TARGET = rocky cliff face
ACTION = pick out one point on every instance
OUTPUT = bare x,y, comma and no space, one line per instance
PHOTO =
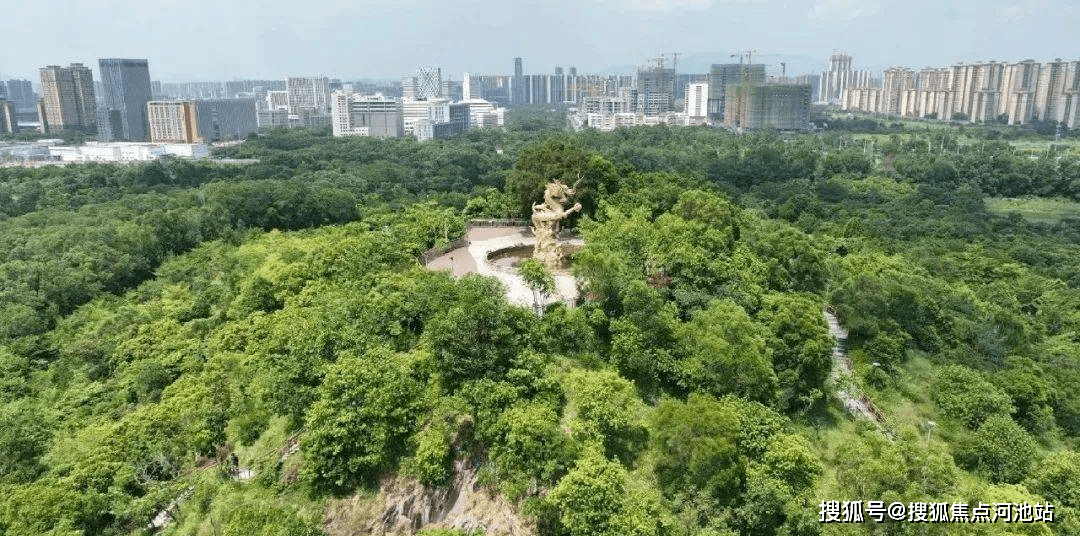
403,507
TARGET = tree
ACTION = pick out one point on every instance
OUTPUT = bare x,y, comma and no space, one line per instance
722,351
530,449
554,159
778,488
590,496
1057,477
697,449
479,334
258,518
1000,450
607,411
1030,394
24,437
963,394
367,407
801,347
538,278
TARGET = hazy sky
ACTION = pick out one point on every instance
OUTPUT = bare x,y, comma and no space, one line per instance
230,39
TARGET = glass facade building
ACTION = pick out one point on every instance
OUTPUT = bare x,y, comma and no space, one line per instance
126,85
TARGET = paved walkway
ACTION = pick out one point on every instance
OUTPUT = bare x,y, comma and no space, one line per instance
855,402
474,260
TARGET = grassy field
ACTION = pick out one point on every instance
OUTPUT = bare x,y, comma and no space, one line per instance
1034,210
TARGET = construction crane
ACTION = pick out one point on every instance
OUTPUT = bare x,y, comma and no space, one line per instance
674,59
749,55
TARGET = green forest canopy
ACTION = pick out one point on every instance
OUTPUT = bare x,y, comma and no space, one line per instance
153,317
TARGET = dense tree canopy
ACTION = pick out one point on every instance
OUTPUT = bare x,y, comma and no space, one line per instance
242,344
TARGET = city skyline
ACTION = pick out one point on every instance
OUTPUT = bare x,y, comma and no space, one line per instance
386,41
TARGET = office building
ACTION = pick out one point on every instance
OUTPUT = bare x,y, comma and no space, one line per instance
415,113
408,87
126,86
68,97
452,90
355,114
308,101
226,119
126,152
267,119
469,87
492,88
519,94
483,114
308,94
21,94
428,83
172,122
457,123
277,100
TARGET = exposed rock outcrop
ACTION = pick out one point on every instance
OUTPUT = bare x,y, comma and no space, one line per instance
403,507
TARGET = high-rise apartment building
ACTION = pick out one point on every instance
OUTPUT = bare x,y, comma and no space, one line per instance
126,84
172,122
1056,96
840,77
1018,86
9,124
837,78
1015,93
68,97
697,100
862,99
896,81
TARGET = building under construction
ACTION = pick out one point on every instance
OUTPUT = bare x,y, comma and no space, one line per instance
767,106
723,75
655,89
